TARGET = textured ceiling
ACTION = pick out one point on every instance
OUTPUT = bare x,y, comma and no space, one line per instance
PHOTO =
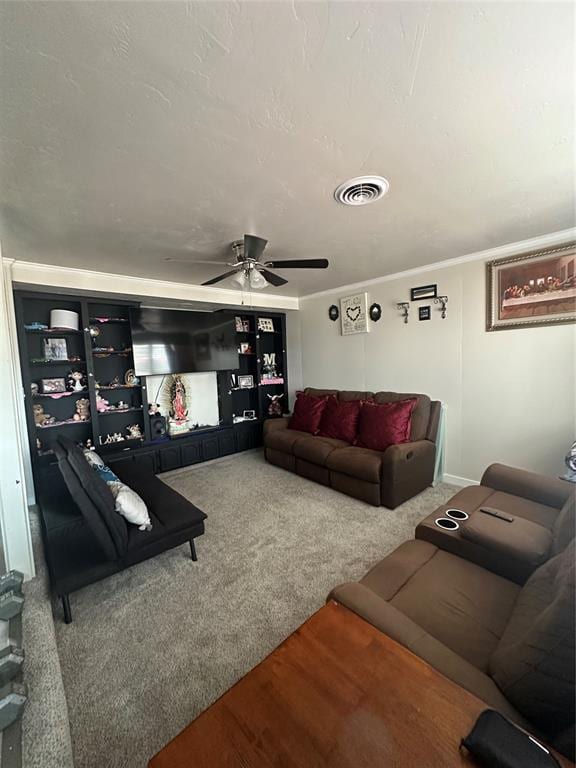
136,132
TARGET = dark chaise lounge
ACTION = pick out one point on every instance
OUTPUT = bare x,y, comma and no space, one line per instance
103,542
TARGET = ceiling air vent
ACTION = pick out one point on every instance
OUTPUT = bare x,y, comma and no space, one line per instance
362,190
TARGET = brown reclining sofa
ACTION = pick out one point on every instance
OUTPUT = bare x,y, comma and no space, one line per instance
509,642
380,478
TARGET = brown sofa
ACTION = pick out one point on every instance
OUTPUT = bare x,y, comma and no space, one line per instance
538,523
512,646
380,478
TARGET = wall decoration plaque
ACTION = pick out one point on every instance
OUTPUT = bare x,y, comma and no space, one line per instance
354,314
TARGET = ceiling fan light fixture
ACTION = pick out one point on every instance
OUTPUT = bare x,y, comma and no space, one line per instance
240,279
257,280
361,190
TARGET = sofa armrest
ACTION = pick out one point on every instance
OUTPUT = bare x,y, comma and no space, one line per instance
388,619
271,425
550,491
521,540
405,453
407,469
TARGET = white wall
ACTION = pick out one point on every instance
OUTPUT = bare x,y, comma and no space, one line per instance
14,523
509,394
294,352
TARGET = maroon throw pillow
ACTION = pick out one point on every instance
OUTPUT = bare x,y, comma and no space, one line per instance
386,424
307,413
340,419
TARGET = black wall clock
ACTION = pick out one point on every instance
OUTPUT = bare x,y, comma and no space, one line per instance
375,312
333,312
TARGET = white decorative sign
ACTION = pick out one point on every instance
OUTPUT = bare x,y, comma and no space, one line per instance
354,314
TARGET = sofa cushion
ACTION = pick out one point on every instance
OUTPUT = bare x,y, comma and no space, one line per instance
320,392
284,439
389,575
172,510
381,426
459,603
347,396
361,463
344,395
420,415
520,539
534,664
563,531
381,614
340,419
307,413
317,449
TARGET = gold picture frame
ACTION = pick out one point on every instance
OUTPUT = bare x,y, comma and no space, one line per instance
532,289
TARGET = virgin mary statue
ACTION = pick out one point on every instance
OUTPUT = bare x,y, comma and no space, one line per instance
179,411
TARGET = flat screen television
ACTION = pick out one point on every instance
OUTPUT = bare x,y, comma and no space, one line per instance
176,341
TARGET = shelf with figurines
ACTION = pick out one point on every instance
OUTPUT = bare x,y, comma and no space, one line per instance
111,411
115,387
44,420
56,387
130,381
107,351
108,320
133,434
43,330
48,361
105,408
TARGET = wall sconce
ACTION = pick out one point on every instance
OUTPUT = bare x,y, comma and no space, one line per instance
443,300
404,305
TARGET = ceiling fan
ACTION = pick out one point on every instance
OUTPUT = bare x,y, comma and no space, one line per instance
250,272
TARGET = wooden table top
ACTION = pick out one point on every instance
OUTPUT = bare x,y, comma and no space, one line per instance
336,693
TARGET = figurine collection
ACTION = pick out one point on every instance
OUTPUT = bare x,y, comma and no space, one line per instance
134,432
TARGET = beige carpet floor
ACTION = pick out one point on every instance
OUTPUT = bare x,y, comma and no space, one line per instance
152,647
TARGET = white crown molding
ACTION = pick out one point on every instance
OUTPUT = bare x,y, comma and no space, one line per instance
27,273
501,251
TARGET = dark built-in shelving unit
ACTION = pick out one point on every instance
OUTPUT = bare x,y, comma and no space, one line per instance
102,366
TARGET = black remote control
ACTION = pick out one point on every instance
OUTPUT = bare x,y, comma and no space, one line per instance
498,514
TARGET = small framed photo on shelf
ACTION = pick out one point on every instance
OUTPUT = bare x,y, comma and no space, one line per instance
248,415
55,349
53,386
242,326
246,382
266,324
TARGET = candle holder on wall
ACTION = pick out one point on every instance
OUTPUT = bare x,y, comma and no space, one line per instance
442,300
404,306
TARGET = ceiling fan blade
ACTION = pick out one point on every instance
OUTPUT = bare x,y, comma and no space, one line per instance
220,277
298,264
254,247
272,278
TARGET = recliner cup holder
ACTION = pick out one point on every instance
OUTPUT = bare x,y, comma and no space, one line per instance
456,514
447,524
